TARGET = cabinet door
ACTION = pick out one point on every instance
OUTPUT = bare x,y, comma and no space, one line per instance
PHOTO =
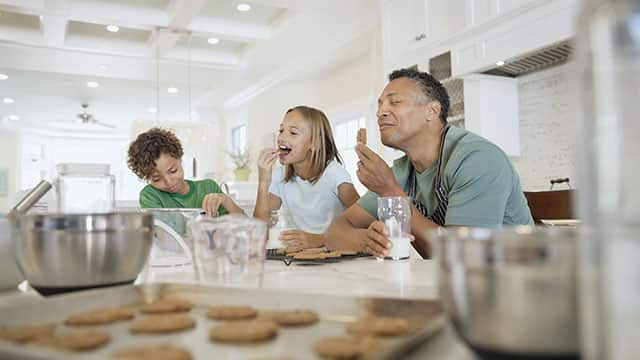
405,24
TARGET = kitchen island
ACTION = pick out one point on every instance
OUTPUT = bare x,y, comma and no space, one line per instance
409,279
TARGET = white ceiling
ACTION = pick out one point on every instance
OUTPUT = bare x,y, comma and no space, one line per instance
51,48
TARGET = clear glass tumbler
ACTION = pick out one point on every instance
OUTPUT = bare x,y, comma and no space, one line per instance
608,74
395,213
230,250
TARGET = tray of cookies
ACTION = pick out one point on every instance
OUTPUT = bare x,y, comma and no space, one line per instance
321,255
184,321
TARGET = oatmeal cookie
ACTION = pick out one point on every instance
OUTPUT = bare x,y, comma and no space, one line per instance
244,331
166,306
25,333
99,317
292,317
157,352
379,326
158,324
75,341
231,312
346,347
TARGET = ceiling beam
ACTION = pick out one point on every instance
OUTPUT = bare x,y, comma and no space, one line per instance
54,27
232,30
180,13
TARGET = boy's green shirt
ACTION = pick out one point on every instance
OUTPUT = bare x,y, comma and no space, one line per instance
151,197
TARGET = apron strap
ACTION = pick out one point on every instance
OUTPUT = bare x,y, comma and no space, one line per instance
440,213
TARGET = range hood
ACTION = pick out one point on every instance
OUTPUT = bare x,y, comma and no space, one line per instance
539,60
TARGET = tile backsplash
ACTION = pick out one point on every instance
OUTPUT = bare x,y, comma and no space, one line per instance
547,129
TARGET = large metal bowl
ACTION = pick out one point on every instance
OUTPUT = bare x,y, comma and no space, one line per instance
512,292
65,252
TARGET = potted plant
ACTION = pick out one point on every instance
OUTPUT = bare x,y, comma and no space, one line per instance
241,161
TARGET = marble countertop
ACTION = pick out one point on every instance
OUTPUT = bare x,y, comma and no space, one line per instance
408,279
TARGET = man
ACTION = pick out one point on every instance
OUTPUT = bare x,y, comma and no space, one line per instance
453,177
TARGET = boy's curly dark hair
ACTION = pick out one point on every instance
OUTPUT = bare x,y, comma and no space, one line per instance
147,148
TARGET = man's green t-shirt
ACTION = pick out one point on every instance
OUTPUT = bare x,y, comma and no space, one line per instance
151,197
481,183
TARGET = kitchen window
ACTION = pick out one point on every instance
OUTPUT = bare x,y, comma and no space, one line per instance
345,134
238,139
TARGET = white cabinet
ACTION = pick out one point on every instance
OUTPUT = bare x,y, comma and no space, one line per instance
411,24
477,32
405,25
539,25
480,11
491,110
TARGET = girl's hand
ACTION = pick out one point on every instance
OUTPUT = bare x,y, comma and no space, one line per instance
266,159
211,203
299,238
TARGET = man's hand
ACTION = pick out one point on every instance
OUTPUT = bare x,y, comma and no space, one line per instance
299,238
375,174
212,202
266,159
376,242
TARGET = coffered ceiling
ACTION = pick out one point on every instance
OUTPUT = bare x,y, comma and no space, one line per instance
141,48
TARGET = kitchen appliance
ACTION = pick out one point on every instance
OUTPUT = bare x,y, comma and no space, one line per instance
85,188
10,275
511,293
66,252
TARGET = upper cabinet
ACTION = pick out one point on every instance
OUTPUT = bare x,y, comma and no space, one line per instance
411,24
408,25
477,32
481,11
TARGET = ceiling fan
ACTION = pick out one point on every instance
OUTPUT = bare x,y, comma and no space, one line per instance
87,118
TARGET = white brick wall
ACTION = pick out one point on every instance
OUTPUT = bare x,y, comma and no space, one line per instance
547,129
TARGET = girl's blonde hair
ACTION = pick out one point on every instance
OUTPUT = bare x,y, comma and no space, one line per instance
323,147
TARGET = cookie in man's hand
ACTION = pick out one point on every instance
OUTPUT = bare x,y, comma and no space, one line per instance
362,136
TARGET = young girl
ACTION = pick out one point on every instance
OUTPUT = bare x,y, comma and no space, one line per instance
312,185
155,156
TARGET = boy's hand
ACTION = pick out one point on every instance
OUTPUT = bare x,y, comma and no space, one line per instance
212,202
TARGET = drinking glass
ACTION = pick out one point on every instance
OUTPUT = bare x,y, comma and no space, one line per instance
395,213
230,250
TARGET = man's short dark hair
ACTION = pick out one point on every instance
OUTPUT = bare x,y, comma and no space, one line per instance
431,88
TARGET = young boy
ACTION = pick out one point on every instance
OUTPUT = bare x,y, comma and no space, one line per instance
155,157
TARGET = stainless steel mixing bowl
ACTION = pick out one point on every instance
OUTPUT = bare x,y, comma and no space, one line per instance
511,292
64,252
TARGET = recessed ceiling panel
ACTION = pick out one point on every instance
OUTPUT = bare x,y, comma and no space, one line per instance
201,43
226,9
141,4
82,29
21,21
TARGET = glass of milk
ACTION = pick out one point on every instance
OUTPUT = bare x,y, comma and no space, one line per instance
395,213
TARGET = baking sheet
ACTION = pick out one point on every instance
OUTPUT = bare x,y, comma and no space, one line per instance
288,259
425,317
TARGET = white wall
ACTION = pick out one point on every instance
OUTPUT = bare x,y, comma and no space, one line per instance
344,91
8,161
200,140
547,129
